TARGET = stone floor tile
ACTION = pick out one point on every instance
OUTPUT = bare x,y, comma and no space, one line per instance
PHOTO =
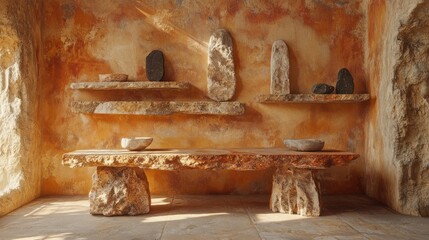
307,228
222,225
198,204
394,237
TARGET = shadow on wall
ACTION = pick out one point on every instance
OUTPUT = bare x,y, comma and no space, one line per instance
161,23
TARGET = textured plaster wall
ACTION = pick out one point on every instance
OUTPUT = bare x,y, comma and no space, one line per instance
397,167
19,51
84,38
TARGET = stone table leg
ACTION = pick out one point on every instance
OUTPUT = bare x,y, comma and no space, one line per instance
119,191
295,191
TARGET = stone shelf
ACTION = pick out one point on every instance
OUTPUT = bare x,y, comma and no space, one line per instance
129,85
313,98
158,107
240,159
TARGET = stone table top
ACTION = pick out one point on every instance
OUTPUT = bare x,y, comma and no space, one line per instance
240,159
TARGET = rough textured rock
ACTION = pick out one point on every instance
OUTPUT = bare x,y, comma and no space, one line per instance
129,85
159,108
279,68
345,83
119,191
213,159
398,167
295,191
155,66
221,73
314,98
322,88
20,173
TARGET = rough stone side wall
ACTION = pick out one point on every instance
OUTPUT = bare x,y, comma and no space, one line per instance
411,113
397,131
19,47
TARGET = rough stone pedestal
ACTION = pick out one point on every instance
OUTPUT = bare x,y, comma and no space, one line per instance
295,191
119,191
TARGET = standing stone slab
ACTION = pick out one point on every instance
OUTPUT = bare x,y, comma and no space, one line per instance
345,83
295,191
221,74
155,66
119,191
279,68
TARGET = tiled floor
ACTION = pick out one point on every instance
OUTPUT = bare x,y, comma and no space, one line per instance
211,217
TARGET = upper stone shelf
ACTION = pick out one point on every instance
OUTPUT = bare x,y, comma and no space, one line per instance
313,98
129,85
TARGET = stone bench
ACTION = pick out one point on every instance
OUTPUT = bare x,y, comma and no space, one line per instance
120,186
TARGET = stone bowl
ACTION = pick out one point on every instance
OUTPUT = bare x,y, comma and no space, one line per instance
304,145
136,143
113,77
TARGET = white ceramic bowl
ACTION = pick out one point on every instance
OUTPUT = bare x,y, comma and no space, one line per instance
113,77
304,145
136,143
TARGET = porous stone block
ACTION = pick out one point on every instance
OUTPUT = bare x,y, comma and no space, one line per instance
119,191
221,79
295,191
279,68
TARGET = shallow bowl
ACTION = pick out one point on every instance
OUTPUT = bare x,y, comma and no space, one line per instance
113,77
304,145
136,143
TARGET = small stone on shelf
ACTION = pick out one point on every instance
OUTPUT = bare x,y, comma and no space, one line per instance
322,88
345,83
155,66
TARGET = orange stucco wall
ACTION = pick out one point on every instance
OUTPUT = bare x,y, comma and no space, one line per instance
378,184
84,38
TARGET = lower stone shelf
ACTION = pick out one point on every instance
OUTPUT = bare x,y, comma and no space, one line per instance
313,98
158,107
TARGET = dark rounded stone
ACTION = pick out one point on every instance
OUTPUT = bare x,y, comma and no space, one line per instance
322,88
155,66
345,83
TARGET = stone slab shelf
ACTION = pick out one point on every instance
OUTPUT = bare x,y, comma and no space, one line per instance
313,98
239,159
129,85
158,107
